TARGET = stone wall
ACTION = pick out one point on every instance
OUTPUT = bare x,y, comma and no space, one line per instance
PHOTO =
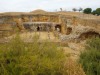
6,30
89,22
66,22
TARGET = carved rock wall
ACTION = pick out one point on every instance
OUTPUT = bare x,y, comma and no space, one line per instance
13,22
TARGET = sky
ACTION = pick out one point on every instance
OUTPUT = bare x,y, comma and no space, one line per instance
48,5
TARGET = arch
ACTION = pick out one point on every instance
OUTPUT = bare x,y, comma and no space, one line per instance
27,26
58,28
89,34
38,28
69,30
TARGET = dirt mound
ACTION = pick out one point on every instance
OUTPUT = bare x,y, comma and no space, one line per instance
38,11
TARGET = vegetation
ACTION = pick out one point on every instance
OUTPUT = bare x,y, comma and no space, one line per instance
19,58
73,68
87,11
61,9
80,9
90,58
74,9
96,12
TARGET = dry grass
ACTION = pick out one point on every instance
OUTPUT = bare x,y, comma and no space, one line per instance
73,68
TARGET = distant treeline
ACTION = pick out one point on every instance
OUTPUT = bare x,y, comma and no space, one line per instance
90,11
86,10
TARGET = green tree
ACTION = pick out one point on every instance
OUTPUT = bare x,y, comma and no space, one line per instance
87,11
94,12
80,9
98,11
74,9
61,9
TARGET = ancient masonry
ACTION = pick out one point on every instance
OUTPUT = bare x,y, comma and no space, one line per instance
70,27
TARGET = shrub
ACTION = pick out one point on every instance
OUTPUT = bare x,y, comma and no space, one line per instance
20,58
36,58
90,58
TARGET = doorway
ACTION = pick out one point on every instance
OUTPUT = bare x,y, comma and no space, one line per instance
38,28
58,28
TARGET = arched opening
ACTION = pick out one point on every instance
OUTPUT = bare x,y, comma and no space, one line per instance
58,28
89,35
38,28
69,30
27,26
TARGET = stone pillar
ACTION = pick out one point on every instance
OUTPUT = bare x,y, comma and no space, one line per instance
20,24
53,27
62,21
48,29
30,19
63,26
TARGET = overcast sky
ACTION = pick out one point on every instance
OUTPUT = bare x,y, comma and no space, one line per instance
49,5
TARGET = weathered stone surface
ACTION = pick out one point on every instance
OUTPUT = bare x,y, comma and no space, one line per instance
77,31
14,21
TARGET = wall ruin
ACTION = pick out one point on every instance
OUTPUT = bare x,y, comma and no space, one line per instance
65,23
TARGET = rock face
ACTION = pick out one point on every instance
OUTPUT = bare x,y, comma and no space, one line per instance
80,32
70,27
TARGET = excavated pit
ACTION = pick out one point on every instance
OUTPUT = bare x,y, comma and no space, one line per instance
88,35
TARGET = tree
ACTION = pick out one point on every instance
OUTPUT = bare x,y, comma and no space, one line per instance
80,9
61,9
94,12
98,11
87,11
74,9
